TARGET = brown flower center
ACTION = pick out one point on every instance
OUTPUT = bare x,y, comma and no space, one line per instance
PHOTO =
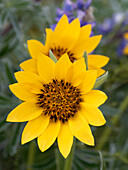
59,100
59,51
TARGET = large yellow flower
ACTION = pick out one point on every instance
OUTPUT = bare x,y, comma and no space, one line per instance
67,38
58,103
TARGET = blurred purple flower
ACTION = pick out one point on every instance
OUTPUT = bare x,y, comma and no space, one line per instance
106,26
110,23
79,9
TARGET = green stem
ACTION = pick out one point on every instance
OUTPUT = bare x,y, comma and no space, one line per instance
107,131
31,155
58,159
68,161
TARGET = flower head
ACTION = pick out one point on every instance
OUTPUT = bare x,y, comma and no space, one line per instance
67,38
58,103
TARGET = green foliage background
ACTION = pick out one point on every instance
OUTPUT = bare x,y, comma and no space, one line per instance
27,19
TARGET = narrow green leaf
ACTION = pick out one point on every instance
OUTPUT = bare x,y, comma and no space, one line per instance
102,165
9,74
16,25
100,80
86,59
14,142
52,56
3,125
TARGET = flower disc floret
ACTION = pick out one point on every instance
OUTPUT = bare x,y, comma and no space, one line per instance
60,100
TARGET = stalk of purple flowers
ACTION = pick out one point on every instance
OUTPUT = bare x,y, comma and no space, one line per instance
79,9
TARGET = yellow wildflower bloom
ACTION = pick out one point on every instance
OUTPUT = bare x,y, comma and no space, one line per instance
58,103
67,38
125,50
125,35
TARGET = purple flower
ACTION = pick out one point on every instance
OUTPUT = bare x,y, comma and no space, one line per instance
69,6
87,4
80,9
80,4
110,23
106,27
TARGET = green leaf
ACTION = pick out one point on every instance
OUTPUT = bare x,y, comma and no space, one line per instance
102,165
52,56
3,125
9,74
16,25
100,80
14,142
86,59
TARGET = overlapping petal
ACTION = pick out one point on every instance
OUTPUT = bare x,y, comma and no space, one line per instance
95,97
97,60
34,128
62,67
48,137
35,48
29,65
88,81
46,68
65,139
24,112
92,114
75,70
70,36
21,93
81,130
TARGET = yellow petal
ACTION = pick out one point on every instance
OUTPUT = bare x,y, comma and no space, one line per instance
24,112
32,87
88,81
85,32
100,71
92,114
49,37
29,65
70,35
81,130
75,70
34,128
60,27
27,76
48,137
97,60
21,93
65,140
46,68
62,66
95,97
35,48
88,45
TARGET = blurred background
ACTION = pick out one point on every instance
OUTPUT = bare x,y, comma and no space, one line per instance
27,19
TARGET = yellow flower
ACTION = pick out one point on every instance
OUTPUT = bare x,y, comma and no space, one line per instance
58,103
125,50
67,38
